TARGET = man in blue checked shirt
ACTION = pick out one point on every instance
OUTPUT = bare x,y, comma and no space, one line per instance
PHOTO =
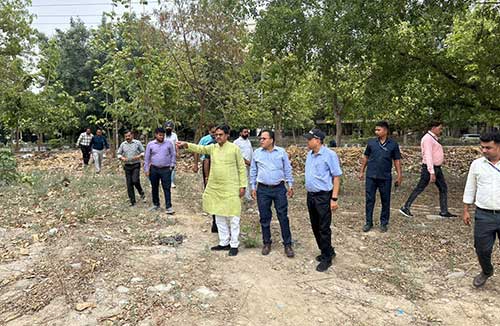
269,170
322,174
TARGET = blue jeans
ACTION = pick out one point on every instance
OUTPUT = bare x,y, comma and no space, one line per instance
265,197
384,187
156,175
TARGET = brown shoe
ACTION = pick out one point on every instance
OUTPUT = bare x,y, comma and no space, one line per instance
480,279
289,251
266,249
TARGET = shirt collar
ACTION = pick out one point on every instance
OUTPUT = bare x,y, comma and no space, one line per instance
322,149
433,134
485,160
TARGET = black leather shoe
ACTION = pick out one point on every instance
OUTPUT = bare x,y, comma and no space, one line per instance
384,228
480,279
219,248
324,265
447,215
233,251
367,227
266,249
321,257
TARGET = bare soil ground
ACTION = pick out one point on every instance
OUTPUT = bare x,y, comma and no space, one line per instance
73,253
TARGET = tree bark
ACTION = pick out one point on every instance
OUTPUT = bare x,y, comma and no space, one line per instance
116,139
337,112
17,139
201,125
39,141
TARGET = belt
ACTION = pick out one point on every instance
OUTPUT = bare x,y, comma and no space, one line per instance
491,211
318,193
436,166
161,167
271,186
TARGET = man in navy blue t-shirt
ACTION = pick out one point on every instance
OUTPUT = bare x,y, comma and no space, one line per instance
380,153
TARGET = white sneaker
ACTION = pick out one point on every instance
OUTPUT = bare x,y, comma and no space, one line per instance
173,185
170,211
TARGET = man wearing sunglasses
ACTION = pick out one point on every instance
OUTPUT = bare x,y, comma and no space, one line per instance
380,153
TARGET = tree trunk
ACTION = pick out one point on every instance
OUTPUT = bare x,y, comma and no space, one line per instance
116,139
201,125
337,111
17,139
278,132
39,141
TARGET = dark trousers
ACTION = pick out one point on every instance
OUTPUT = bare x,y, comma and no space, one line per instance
265,197
132,173
86,150
164,175
425,177
320,214
384,188
205,170
486,229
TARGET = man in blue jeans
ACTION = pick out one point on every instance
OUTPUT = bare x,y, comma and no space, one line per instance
159,161
269,170
380,153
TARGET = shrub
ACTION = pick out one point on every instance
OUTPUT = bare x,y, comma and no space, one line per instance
8,164
55,143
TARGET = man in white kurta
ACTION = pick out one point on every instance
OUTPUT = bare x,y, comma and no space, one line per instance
226,185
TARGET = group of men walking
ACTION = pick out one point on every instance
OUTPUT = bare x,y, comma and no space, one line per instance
93,144
232,171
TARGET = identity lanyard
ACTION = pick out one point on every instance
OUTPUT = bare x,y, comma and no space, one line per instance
433,136
491,164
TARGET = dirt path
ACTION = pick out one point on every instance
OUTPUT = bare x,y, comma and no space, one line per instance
78,255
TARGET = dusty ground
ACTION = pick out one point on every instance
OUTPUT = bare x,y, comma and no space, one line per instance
73,253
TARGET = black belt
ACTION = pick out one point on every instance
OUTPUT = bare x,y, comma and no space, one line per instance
318,193
271,186
161,167
491,211
436,166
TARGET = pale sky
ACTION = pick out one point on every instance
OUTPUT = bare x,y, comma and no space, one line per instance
55,14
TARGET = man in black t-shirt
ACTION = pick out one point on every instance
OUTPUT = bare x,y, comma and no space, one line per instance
380,153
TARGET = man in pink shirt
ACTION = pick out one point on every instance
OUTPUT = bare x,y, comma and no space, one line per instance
432,159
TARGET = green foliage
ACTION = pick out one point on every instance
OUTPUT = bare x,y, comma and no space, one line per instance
8,172
55,143
197,62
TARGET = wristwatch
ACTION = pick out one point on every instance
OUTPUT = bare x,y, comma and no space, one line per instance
334,198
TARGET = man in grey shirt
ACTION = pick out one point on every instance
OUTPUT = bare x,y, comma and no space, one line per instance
130,153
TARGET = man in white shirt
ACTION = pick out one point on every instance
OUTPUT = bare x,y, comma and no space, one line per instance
246,151
483,190
172,137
